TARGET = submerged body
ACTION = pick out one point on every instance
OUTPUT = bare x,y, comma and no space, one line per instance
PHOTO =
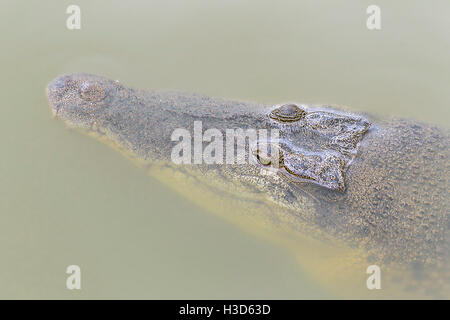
378,186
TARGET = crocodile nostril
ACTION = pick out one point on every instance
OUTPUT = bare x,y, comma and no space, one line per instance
288,113
92,92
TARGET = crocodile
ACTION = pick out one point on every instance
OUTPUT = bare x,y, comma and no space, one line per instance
345,190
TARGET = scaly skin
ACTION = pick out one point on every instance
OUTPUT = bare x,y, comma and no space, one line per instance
387,198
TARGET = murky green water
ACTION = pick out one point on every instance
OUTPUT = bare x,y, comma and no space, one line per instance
67,199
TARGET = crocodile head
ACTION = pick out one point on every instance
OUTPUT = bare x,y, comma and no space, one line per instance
312,145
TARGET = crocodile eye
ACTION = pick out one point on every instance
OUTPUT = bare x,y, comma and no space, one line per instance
268,155
288,113
265,161
92,91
